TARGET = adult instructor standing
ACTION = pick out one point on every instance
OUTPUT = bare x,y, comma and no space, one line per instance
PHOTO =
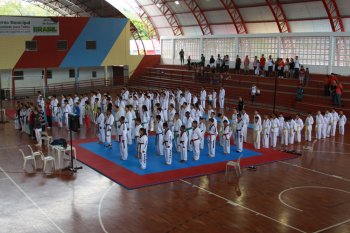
182,56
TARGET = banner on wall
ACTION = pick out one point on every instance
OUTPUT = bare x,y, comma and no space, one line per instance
35,26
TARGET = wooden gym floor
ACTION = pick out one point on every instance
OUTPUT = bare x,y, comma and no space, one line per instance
307,194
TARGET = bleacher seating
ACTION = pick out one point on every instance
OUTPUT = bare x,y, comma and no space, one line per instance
173,76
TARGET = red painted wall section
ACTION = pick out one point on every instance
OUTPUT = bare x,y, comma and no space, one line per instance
147,61
70,29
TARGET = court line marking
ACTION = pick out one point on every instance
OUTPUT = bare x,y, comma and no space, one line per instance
302,187
331,152
243,207
333,226
4,179
100,206
312,170
32,201
327,140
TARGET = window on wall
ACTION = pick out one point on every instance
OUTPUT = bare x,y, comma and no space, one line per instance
94,74
62,45
18,75
72,73
311,50
191,47
31,45
342,51
91,45
167,49
258,46
222,46
49,74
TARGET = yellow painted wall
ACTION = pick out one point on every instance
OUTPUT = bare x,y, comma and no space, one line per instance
11,49
120,52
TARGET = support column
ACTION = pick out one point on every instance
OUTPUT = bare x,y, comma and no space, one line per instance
279,46
106,75
173,51
13,83
331,55
45,81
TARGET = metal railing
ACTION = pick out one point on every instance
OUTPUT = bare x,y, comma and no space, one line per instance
59,88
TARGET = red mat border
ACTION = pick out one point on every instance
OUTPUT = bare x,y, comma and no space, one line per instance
130,180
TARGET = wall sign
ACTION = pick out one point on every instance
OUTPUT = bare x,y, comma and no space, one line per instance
36,26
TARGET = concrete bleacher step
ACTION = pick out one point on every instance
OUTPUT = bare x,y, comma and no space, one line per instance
239,85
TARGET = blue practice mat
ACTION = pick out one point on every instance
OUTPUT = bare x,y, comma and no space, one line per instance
156,163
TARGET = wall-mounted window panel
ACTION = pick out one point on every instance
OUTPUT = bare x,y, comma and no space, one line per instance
311,50
191,48
258,46
62,45
91,45
222,46
166,49
72,73
31,45
18,75
342,51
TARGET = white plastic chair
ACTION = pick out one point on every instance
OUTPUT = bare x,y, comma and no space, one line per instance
36,153
67,152
46,159
47,139
26,158
235,164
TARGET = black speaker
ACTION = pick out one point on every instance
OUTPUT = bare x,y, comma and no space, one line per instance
2,94
73,122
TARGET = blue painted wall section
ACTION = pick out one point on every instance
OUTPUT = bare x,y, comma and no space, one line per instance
105,31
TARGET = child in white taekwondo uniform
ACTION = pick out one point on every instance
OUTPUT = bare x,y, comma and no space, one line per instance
109,126
275,127
195,140
214,98
299,125
188,124
137,129
128,122
183,141
292,130
334,122
159,135
319,125
245,118
266,129
226,137
142,144
145,118
309,121
203,97
203,129
59,115
100,122
123,146
281,121
234,125
239,133
177,125
212,133
168,143
66,110
222,119
328,119
342,122
257,130
285,132
222,98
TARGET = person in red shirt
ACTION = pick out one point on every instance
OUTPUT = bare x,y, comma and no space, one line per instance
262,64
301,75
338,93
48,112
